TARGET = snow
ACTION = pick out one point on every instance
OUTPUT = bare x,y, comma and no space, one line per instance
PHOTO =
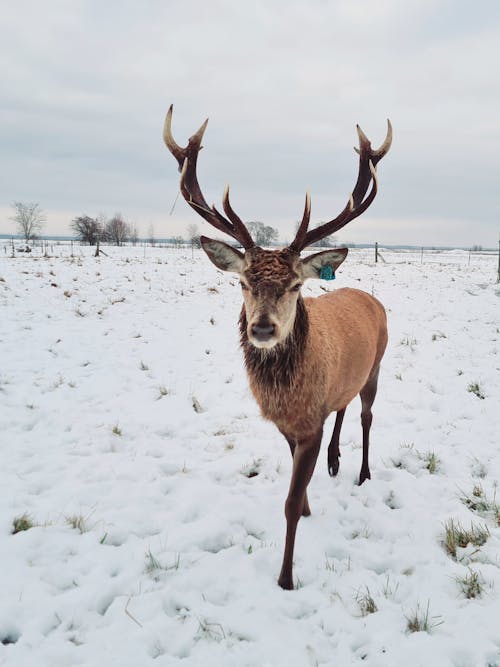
130,439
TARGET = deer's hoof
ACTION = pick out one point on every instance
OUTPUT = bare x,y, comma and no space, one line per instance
364,474
333,468
286,583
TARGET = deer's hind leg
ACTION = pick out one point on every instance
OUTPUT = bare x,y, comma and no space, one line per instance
367,395
334,446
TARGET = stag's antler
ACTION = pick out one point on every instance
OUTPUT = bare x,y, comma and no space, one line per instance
187,158
368,159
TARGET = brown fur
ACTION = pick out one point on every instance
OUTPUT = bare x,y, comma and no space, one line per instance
338,340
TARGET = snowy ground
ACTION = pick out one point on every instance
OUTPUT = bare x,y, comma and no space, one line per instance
130,440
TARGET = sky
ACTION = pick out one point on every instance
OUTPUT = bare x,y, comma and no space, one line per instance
86,85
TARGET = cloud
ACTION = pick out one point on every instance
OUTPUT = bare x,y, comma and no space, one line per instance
88,84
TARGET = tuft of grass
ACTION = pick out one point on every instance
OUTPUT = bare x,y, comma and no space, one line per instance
432,462
212,631
20,523
143,366
366,603
456,536
471,585
154,567
117,430
478,468
163,391
420,621
388,591
478,501
409,341
196,405
475,388
152,563
78,522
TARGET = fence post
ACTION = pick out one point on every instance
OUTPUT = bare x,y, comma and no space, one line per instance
376,252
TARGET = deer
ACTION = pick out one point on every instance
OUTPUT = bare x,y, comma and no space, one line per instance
305,357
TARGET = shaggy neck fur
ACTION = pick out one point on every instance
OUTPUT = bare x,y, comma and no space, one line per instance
278,367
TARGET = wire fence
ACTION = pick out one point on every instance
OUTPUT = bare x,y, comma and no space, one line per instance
377,253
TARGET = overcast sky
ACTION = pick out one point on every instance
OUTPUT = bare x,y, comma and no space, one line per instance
85,88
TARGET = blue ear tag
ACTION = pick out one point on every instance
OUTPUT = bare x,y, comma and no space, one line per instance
327,273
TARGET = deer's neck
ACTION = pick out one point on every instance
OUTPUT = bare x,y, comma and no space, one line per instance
276,369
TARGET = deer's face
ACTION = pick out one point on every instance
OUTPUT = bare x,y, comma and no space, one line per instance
270,281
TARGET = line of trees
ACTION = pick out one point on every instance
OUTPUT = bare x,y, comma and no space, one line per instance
115,230
29,219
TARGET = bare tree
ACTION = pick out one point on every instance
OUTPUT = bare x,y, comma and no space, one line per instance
262,234
151,234
29,219
117,230
193,235
134,234
87,229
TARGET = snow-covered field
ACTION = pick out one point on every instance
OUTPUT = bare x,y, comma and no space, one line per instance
130,443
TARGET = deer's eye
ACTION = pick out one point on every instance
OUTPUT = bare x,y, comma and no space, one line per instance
243,286
296,287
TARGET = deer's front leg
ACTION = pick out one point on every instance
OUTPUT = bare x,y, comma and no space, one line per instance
304,460
306,510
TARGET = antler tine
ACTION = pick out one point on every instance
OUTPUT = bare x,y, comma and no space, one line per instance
384,148
302,230
246,239
187,160
378,154
357,203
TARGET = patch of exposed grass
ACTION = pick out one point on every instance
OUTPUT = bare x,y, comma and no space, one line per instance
163,391
196,404
154,566
471,585
78,522
366,603
211,631
478,501
432,462
388,591
117,430
456,536
409,341
20,523
420,621
475,388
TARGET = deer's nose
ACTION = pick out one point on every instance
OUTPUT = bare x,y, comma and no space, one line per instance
263,330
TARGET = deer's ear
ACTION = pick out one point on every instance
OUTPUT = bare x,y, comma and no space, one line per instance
223,255
325,262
